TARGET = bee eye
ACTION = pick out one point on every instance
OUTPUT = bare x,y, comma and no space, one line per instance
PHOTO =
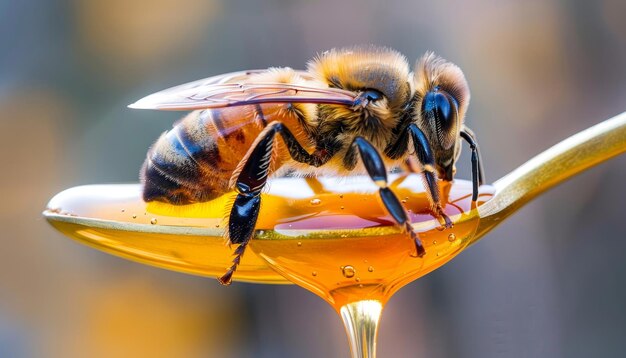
440,107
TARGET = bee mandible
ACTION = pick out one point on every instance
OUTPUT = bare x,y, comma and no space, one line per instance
355,110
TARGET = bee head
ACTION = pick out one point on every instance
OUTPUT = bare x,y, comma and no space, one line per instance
442,96
441,99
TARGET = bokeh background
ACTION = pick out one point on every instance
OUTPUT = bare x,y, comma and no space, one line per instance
550,282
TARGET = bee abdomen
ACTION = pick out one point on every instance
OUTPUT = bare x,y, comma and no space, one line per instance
183,167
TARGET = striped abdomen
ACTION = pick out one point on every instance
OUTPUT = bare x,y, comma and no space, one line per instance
194,161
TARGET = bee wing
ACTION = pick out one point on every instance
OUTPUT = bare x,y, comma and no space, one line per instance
232,89
237,76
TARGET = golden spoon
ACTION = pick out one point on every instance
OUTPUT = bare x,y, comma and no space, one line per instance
113,218
328,235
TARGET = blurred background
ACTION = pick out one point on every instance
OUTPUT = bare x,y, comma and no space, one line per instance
547,283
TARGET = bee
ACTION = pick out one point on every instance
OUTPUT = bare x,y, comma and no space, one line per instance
353,111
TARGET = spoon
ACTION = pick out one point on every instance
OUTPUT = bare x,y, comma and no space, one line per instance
114,218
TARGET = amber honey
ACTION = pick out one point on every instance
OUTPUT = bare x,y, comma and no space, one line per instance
331,236
359,255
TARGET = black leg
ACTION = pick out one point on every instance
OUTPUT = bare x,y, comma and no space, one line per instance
481,171
376,169
249,180
427,160
477,172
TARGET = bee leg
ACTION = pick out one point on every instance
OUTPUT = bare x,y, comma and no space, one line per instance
472,136
245,209
427,160
251,178
376,169
477,176
243,217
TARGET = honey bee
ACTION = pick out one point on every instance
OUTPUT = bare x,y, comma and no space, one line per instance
355,110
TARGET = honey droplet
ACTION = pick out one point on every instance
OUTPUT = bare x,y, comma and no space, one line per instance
343,236
315,201
451,237
314,273
348,271
153,221
299,243
370,269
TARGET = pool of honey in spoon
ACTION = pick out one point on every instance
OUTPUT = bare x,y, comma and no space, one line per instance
331,236
348,266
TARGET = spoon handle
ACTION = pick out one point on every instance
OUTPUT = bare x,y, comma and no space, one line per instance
555,165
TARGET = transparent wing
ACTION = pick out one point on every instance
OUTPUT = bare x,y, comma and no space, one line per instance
234,89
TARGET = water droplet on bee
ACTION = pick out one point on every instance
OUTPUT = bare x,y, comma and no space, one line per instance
299,243
123,210
343,236
315,201
314,273
357,279
451,237
217,225
153,221
342,207
134,216
434,242
360,285
403,201
370,269
438,253
340,196
348,271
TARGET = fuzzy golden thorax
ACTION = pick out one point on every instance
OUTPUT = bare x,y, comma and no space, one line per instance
359,69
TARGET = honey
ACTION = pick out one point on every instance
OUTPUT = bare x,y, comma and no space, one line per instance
330,236
360,257
302,230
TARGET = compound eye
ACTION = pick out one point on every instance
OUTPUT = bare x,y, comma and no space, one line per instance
440,108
